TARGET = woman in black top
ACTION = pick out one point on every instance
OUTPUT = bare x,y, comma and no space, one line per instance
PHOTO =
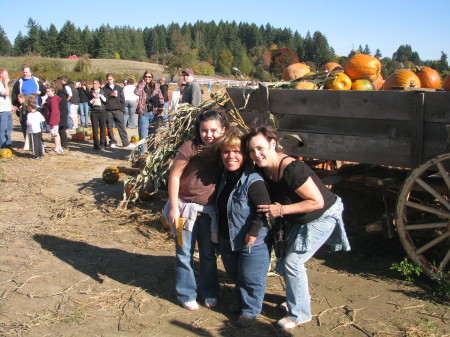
313,215
243,240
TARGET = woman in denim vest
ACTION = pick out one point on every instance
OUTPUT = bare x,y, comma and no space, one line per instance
313,216
243,240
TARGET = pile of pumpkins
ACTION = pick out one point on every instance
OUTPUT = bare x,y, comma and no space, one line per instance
363,72
81,133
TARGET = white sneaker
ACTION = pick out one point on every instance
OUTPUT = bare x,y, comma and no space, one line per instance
191,305
113,146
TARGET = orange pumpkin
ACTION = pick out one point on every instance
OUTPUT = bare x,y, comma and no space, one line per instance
340,82
378,83
362,66
429,78
164,222
402,78
362,85
446,84
78,136
330,66
294,71
305,85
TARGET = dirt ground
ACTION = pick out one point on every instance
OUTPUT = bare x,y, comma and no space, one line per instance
72,265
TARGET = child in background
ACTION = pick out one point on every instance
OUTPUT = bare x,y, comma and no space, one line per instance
34,120
52,117
22,114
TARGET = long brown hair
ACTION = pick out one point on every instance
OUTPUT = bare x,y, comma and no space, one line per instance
152,82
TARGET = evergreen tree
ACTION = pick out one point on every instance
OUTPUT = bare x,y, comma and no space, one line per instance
366,50
103,43
68,40
443,63
51,42
405,53
32,42
378,54
86,42
321,51
19,45
5,44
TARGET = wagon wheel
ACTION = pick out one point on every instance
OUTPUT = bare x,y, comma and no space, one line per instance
423,217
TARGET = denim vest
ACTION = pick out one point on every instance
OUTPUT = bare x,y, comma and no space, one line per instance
240,211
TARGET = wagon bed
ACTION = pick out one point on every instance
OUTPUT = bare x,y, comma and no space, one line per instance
406,129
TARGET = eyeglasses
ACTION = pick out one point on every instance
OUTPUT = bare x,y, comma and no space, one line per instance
148,76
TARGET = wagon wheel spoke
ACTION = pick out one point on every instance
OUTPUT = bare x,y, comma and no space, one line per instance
431,225
428,209
433,192
432,243
444,174
444,261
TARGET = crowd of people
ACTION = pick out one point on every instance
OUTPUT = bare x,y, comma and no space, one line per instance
66,105
229,191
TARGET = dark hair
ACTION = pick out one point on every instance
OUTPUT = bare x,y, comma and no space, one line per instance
208,115
98,80
130,81
57,84
267,132
109,75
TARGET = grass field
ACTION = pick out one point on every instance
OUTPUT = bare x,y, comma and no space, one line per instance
98,65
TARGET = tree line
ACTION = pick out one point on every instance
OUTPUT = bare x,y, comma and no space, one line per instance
260,52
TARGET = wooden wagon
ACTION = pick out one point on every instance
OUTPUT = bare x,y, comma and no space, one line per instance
394,129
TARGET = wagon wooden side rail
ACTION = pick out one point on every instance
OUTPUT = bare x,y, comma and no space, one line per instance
406,129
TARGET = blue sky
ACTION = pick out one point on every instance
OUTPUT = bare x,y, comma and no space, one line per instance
346,24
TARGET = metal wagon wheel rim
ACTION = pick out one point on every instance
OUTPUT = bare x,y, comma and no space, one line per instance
423,217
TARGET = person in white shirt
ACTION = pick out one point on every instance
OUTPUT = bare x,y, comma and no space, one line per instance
131,100
34,130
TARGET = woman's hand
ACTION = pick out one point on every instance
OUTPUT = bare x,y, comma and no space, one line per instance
174,214
249,240
272,211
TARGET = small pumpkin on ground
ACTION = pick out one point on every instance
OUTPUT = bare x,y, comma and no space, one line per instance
295,70
6,153
78,136
134,138
79,129
402,78
429,78
340,82
111,175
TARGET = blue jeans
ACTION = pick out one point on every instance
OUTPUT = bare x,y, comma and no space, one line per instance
129,114
297,293
146,125
69,125
247,268
84,113
185,284
6,128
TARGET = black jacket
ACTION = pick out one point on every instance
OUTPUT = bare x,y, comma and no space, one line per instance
113,102
17,89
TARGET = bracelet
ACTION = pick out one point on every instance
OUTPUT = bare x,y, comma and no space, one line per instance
281,211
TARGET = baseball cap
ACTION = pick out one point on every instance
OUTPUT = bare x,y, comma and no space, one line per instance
188,71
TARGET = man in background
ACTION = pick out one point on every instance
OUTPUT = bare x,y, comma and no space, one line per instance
28,84
192,93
